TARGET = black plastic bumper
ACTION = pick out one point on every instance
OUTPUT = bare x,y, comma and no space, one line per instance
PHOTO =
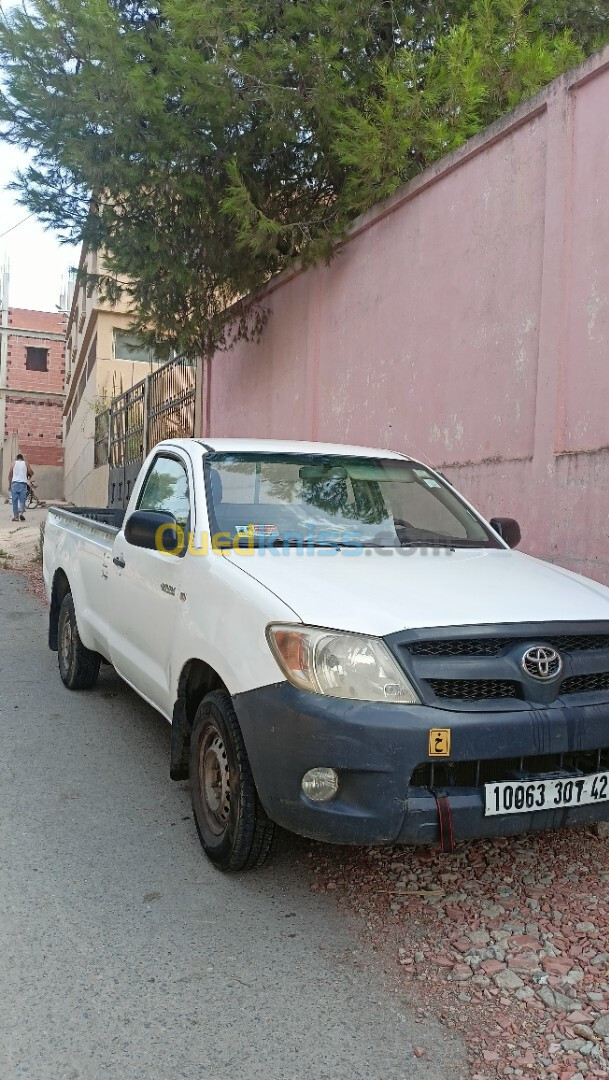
375,749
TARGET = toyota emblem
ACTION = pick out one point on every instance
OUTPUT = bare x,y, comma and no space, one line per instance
542,662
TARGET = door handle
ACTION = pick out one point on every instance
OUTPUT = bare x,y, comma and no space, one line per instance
119,561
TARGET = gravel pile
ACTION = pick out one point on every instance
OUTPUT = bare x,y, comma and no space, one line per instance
505,941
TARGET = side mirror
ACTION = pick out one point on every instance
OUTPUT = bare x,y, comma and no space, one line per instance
508,529
142,530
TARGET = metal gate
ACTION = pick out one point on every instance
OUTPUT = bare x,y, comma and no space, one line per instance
171,403
127,426
161,406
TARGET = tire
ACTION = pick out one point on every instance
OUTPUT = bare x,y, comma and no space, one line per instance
233,828
31,501
78,666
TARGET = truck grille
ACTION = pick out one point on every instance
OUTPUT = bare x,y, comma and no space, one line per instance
477,667
585,684
456,774
482,689
493,646
474,689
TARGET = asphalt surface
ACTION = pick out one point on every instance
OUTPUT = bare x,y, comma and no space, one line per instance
123,953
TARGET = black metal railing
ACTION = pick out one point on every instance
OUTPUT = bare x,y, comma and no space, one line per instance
161,406
127,426
171,403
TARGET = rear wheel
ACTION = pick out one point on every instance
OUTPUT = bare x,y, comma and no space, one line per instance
31,500
233,828
78,666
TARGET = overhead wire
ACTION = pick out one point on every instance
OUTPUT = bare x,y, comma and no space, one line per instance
16,226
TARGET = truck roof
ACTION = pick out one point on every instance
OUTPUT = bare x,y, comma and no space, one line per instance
286,446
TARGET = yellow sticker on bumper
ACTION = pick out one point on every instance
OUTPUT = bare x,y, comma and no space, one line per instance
439,742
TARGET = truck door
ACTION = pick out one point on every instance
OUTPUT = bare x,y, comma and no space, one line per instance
146,586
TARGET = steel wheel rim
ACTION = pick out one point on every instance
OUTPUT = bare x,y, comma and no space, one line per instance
214,781
66,641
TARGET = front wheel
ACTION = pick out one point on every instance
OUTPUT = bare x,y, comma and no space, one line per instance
31,500
78,666
233,828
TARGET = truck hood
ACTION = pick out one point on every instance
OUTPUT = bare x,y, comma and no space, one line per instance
382,591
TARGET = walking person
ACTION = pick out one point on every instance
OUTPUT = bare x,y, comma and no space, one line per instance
18,476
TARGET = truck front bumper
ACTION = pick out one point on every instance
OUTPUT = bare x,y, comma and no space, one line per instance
376,748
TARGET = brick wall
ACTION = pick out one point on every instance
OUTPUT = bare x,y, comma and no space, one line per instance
37,420
38,424
53,322
18,377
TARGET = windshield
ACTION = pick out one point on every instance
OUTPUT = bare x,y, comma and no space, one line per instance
274,499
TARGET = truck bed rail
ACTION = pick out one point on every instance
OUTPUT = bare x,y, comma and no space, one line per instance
112,518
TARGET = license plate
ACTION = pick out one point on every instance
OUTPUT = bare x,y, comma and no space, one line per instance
524,796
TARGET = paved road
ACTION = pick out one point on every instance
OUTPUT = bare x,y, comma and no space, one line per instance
124,954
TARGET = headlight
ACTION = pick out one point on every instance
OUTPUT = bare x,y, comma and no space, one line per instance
339,665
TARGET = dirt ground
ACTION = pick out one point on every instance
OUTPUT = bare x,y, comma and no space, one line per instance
19,540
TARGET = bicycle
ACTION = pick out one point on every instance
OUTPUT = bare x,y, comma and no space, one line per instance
31,499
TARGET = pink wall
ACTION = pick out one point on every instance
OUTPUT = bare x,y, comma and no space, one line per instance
465,321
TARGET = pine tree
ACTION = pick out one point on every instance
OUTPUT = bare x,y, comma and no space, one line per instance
206,145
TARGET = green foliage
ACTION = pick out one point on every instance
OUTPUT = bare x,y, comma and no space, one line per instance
588,22
205,146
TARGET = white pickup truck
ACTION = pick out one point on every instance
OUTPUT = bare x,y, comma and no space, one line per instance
343,645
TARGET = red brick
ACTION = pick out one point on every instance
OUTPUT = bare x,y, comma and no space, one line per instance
37,421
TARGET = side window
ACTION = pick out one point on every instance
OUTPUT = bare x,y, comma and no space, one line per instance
166,488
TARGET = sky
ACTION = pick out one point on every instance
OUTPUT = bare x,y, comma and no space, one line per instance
37,261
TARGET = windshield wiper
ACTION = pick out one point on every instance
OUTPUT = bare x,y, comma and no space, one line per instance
294,541
444,543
